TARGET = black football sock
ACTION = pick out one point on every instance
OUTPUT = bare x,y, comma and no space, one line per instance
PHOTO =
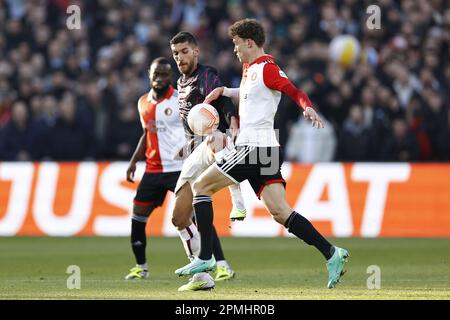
204,215
217,248
303,229
138,237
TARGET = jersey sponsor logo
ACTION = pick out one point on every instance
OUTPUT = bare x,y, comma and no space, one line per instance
168,112
156,126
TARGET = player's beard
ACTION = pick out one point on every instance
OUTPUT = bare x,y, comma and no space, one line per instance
161,92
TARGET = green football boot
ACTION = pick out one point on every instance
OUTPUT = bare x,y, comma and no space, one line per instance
137,273
224,273
335,266
237,214
200,281
196,266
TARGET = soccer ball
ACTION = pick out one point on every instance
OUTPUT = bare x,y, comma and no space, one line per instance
203,119
344,50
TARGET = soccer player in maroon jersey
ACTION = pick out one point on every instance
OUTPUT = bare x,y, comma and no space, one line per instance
163,134
195,83
256,157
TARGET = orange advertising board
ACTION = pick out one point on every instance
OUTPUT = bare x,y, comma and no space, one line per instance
358,199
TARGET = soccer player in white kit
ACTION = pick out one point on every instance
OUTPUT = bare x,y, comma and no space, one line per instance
256,157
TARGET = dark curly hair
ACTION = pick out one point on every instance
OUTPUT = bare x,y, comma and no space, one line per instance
248,29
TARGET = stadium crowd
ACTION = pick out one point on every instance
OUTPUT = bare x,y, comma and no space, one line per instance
72,94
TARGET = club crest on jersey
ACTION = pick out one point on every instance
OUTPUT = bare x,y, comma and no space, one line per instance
253,77
168,112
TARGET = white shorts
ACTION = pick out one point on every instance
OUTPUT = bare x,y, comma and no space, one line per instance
194,165
199,160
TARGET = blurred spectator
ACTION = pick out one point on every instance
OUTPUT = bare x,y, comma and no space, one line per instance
311,145
443,140
124,136
71,137
20,139
81,83
402,145
354,138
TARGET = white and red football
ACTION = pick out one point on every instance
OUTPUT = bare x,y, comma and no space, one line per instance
203,119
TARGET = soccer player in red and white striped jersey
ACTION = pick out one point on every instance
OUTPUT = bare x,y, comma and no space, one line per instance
162,134
257,154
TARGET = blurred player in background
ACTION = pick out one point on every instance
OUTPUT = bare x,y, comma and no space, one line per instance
256,157
195,83
163,131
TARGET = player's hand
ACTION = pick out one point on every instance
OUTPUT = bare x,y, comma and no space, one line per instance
214,95
130,172
311,114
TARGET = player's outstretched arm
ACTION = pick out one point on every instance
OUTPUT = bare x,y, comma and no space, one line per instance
232,93
139,154
276,79
214,95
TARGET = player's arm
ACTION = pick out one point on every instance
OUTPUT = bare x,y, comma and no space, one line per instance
275,79
139,152
232,93
138,155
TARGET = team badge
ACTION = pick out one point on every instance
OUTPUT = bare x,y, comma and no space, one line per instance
253,76
168,112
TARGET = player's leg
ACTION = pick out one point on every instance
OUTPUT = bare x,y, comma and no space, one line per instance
220,146
182,220
209,182
149,195
274,198
139,220
224,271
187,230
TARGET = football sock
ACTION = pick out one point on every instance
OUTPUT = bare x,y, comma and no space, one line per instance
138,238
236,196
222,263
143,266
204,216
217,248
303,229
191,240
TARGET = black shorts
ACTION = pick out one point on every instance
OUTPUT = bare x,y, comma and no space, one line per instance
153,188
259,165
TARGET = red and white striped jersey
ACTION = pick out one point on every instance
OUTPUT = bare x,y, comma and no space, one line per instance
259,95
165,132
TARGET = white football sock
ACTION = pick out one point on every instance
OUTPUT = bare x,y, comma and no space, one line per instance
143,266
191,240
222,263
236,196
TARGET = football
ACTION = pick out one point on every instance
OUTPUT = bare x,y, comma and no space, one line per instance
203,119
345,50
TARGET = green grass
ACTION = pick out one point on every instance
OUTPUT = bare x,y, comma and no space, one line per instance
267,268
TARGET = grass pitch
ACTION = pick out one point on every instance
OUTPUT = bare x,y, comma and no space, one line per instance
266,268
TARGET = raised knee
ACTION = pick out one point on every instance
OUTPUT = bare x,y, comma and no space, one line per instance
176,221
